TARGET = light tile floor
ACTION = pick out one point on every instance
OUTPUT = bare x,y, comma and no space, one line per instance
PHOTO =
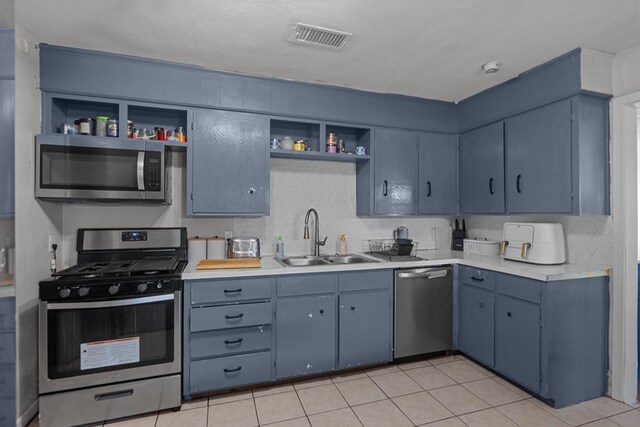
448,391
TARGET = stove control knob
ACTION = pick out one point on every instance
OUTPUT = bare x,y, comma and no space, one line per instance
113,289
142,287
65,292
83,291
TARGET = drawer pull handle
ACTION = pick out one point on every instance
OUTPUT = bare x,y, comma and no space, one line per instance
385,187
429,188
477,279
233,291
230,370
235,316
518,189
353,308
481,305
508,314
491,186
238,341
321,311
113,395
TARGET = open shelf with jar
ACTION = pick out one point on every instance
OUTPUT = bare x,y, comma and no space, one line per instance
322,140
91,117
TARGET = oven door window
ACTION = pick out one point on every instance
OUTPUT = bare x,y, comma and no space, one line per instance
96,339
87,168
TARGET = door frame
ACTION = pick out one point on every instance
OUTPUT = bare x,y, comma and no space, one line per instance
624,282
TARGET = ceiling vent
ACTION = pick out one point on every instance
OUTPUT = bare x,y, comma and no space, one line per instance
318,36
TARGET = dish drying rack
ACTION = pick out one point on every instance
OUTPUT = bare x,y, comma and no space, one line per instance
393,247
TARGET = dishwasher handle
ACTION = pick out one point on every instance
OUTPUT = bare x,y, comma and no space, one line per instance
423,274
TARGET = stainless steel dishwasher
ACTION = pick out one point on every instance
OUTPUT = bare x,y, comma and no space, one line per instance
423,306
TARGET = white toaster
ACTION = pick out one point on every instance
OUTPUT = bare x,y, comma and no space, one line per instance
533,242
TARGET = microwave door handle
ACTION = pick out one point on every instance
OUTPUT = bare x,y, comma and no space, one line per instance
141,170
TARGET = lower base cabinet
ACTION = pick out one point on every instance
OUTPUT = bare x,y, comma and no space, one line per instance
306,335
518,340
549,337
364,328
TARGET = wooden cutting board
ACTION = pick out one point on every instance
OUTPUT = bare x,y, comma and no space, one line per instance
214,264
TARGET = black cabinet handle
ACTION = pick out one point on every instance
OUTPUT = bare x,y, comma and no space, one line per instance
233,291
477,279
321,311
481,305
235,316
428,188
237,341
491,186
229,370
353,308
252,190
518,178
508,314
385,188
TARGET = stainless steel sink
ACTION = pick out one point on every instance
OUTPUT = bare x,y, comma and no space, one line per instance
305,261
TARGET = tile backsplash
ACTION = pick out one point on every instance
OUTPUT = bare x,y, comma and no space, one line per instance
330,188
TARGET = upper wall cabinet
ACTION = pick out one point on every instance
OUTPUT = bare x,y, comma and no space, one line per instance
394,172
482,170
557,158
7,133
437,173
228,169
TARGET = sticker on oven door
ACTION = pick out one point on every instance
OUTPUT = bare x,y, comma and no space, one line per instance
100,354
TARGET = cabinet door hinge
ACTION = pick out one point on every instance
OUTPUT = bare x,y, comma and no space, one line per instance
191,196
573,117
540,324
191,125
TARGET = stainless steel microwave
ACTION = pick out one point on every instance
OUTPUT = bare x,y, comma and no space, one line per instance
76,168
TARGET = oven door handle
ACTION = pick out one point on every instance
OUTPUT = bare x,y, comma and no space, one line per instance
141,170
106,304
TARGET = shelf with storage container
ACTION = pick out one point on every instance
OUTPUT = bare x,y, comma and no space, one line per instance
296,130
61,109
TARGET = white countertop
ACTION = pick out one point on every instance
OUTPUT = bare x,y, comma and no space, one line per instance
270,267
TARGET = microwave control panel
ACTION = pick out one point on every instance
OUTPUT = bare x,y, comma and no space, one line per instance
152,171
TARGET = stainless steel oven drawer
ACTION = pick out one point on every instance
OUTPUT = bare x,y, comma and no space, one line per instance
230,290
97,404
230,341
230,316
227,372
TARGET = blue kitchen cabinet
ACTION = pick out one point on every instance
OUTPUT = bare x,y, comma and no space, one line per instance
7,362
395,165
305,335
229,164
437,173
481,166
538,160
517,340
364,328
476,329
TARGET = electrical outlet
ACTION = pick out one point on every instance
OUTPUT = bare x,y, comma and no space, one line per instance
228,235
51,242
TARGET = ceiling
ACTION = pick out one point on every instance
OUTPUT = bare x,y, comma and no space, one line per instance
426,48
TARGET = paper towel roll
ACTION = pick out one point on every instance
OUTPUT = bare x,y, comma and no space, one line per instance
216,248
197,248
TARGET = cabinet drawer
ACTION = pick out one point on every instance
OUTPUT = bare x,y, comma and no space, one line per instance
227,372
224,291
477,277
365,280
308,284
7,413
7,314
7,380
230,341
518,287
7,348
230,316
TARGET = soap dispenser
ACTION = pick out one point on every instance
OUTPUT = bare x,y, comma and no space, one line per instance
342,245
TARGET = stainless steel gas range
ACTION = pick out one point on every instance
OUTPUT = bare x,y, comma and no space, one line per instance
110,327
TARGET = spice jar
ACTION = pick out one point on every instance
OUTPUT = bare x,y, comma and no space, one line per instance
300,145
101,125
130,128
87,126
112,128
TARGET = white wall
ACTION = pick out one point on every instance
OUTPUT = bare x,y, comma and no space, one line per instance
626,71
34,221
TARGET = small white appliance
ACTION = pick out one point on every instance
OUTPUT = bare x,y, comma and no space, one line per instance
533,242
479,246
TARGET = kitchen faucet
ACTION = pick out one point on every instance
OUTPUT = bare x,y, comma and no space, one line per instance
318,243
